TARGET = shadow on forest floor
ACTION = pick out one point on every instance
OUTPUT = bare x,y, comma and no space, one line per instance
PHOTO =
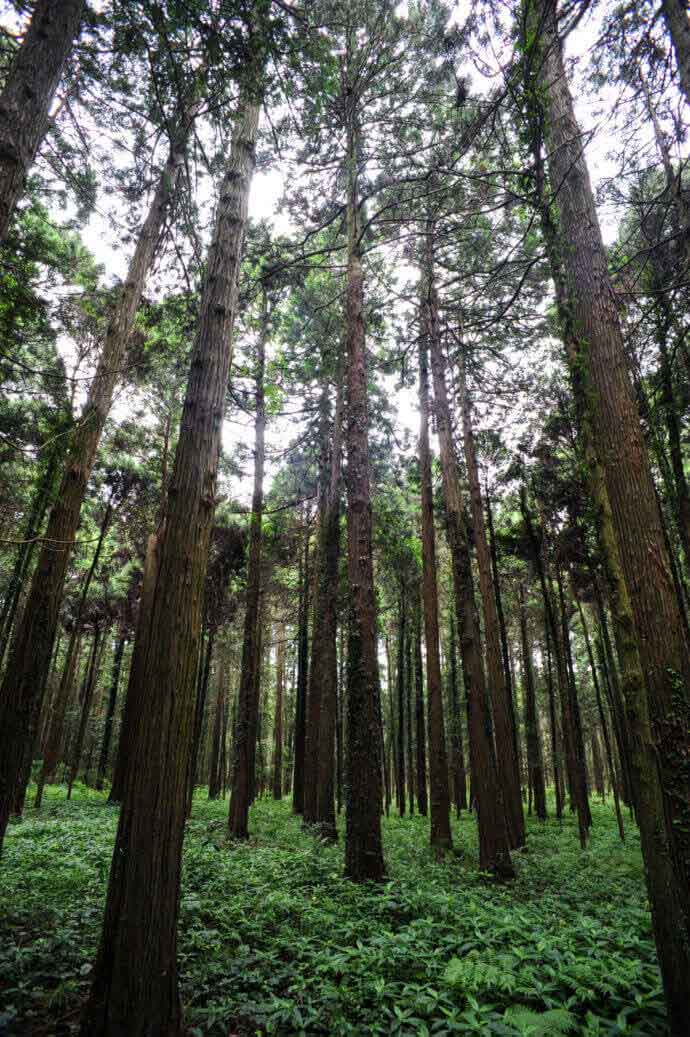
274,941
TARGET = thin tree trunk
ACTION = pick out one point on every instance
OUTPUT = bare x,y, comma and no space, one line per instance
89,688
420,726
243,770
112,704
215,779
534,758
28,93
135,983
494,849
457,755
401,673
278,722
502,707
302,676
440,833
409,695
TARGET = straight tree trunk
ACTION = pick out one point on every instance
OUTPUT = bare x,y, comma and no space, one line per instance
323,672
89,688
215,779
502,706
457,754
494,848
363,845
534,759
440,833
243,768
328,663
278,724
21,693
135,983
420,726
28,93
302,676
112,704
401,673
409,695
204,674
55,736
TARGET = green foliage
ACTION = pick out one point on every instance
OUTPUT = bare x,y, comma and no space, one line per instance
273,940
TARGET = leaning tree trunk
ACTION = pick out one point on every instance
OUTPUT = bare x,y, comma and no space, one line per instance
494,849
363,845
21,694
56,721
675,14
600,366
439,795
502,706
244,749
135,984
28,93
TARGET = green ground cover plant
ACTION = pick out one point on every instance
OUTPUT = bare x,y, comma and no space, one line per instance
273,940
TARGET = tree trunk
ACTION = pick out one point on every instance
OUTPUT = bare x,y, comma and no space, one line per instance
675,14
323,671
243,768
204,674
302,675
401,673
440,833
112,703
54,739
21,694
534,759
494,849
215,778
501,700
363,846
420,726
28,93
600,367
135,984
278,722
409,695
89,688
457,754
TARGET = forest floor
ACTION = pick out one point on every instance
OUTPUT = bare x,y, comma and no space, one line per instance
274,941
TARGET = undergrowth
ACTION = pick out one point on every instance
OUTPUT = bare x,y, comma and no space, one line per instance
273,941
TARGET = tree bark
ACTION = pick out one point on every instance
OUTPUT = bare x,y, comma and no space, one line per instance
600,367
89,688
502,706
457,754
21,694
135,983
28,93
215,778
302,675
401,673
494,849
534,759
439,795
675,14
363,845
420,726
243,768
278,721
112,703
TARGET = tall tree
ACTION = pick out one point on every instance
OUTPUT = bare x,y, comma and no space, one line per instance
28,93
135,985
21,693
